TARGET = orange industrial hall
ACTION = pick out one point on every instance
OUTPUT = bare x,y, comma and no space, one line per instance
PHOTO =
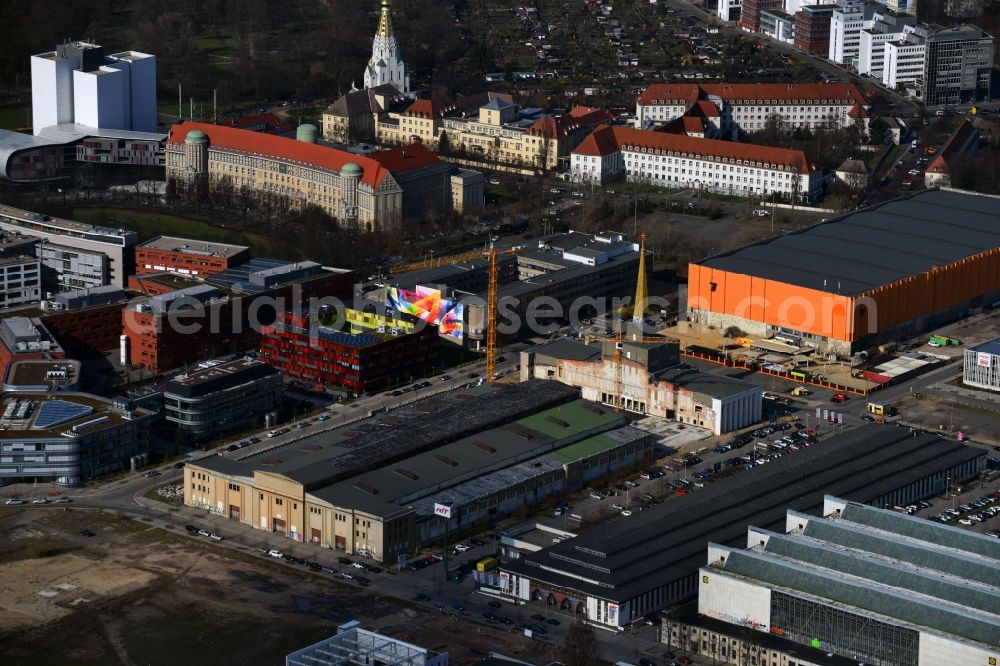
856,281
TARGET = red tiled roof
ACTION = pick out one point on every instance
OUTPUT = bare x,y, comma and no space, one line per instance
686,93
707,109
693,125
599,143
426,108
578,116
404,158
781,92
857,111
612,138
279,147
954,146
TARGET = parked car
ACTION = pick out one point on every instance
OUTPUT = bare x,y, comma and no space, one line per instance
274,552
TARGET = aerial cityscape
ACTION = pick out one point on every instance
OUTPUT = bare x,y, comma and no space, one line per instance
500,333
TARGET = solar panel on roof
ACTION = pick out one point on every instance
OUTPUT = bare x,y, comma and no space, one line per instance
54,412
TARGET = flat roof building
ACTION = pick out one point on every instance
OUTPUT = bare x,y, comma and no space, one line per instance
629,567
187,257
68,438
356,646
982,366
41,375
874,585
859,279
217,399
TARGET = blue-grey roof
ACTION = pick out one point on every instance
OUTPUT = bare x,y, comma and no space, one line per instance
867,249
990,347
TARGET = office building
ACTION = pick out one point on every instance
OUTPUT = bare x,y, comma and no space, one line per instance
354,645
58,150
77,83
197,320
752,12
846,24
862,582
729,10
812,29
959,64
187,257
778,25
217,399
20,275
366,352
117,244
386,66
675,161
746,107
654,382
24,338
68,268
885,27
42,376
468,190
68,438
847,296
87,321
982,366
635,565
351,117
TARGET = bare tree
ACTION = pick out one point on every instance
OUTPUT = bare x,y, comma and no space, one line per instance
580,647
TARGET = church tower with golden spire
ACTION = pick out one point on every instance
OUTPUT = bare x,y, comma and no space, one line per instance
386,64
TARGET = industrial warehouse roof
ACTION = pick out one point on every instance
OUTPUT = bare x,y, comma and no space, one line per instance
523,441
627,557
877,246
704,383
877,561
327,457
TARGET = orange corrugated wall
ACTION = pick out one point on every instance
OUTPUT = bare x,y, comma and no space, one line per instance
829,315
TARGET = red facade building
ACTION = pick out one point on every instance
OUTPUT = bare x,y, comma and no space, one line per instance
364,360
752,9
187,257
812,28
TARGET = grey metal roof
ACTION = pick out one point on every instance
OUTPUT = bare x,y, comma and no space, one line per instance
328,457
704,383
870,248
871,595
624,558
564,348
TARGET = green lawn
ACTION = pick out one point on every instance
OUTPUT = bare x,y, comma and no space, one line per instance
150,224
14,116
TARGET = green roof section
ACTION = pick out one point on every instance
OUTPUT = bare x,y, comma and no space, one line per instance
578,416
585,449
195,136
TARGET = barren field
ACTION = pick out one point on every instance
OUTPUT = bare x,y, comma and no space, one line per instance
134,594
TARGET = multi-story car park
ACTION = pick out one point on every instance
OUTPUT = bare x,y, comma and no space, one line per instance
862,582
675,161
68,438
216,399
746,107
638,564
117,244
825,288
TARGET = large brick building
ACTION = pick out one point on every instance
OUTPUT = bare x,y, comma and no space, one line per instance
188,257
367,352
358,190
223,314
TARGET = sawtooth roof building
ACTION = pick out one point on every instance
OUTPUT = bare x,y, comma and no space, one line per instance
874,585
625,569
854,281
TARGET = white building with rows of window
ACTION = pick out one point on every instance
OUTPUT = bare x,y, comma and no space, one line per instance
677,161
746,107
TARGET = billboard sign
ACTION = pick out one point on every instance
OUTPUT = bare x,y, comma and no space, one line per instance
983,359
613,614
427,305
442,510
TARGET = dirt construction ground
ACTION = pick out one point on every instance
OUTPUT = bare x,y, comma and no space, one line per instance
135,594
